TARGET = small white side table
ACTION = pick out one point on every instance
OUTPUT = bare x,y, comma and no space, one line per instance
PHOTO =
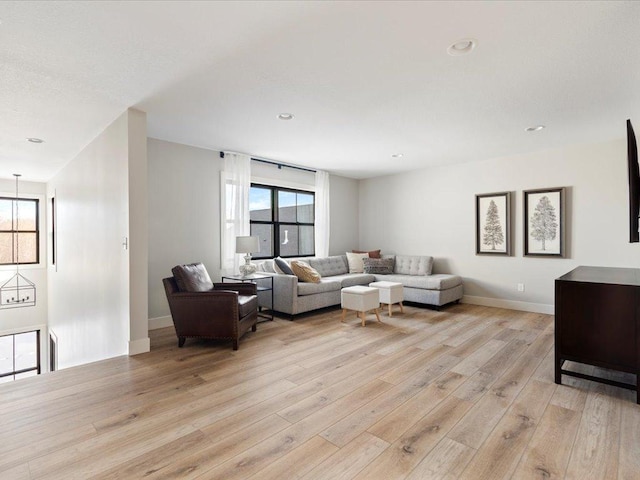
361,299
390,293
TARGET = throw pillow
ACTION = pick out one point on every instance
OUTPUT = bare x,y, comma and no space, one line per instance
372,253
305,272
355,262
267,266
276,268
192,278
283,266
378,266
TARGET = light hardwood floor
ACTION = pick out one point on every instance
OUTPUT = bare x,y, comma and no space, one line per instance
464,393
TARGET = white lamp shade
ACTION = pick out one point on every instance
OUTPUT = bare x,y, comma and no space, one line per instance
247,244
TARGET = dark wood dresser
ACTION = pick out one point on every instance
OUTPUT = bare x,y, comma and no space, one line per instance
597,322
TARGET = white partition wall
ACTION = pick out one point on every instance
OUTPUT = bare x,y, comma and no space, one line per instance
138,241
89,296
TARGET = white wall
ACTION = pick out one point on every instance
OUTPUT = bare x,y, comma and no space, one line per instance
28,318
344,215
184,212
432,212
89,288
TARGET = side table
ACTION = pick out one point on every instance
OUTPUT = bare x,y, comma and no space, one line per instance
264,283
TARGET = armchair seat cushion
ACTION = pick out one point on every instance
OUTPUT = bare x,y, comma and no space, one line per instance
247,304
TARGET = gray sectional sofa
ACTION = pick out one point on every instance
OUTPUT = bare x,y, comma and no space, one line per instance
414,272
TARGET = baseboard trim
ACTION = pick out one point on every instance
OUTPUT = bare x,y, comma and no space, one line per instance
510,304
160,322
136,347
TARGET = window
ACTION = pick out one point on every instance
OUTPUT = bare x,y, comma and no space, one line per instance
283,218
19,223
19,355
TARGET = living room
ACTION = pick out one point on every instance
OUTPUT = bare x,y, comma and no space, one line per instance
137,191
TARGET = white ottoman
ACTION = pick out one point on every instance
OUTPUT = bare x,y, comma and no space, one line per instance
361,299
390,293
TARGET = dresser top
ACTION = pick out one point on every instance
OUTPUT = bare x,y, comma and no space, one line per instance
616,276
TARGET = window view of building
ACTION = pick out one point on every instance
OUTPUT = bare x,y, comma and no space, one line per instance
283,219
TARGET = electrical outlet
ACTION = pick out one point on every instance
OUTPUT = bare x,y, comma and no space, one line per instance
521,287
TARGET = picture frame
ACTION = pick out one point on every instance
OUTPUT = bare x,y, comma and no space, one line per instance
544,222
493,224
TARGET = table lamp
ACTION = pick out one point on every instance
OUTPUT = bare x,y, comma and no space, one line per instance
247,245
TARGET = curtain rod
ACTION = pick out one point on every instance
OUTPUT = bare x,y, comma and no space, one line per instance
277,164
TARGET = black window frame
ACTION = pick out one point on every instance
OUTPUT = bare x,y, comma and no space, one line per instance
18,231
276,223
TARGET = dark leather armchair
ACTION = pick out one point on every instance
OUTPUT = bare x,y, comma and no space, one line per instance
226,311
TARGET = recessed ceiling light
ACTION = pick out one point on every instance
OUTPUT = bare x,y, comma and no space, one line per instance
535,128
397,155
35,140
285,116
462,47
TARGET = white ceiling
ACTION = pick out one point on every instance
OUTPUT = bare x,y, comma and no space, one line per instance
364,80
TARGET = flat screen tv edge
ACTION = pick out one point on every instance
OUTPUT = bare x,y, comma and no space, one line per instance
634,184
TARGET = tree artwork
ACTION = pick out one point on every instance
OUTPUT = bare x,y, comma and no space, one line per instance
544,224
493,234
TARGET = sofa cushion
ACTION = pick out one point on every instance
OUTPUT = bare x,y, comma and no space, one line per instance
351,279
325,285
281,266
192,278
427,282
305,272
355,261
413,265
380,266
329,266
371,253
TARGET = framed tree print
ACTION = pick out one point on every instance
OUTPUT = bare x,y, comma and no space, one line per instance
544,230
493,224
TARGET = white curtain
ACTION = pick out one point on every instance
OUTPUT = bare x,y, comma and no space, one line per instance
322,234
236,182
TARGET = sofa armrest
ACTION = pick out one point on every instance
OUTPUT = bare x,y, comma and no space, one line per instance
285,292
